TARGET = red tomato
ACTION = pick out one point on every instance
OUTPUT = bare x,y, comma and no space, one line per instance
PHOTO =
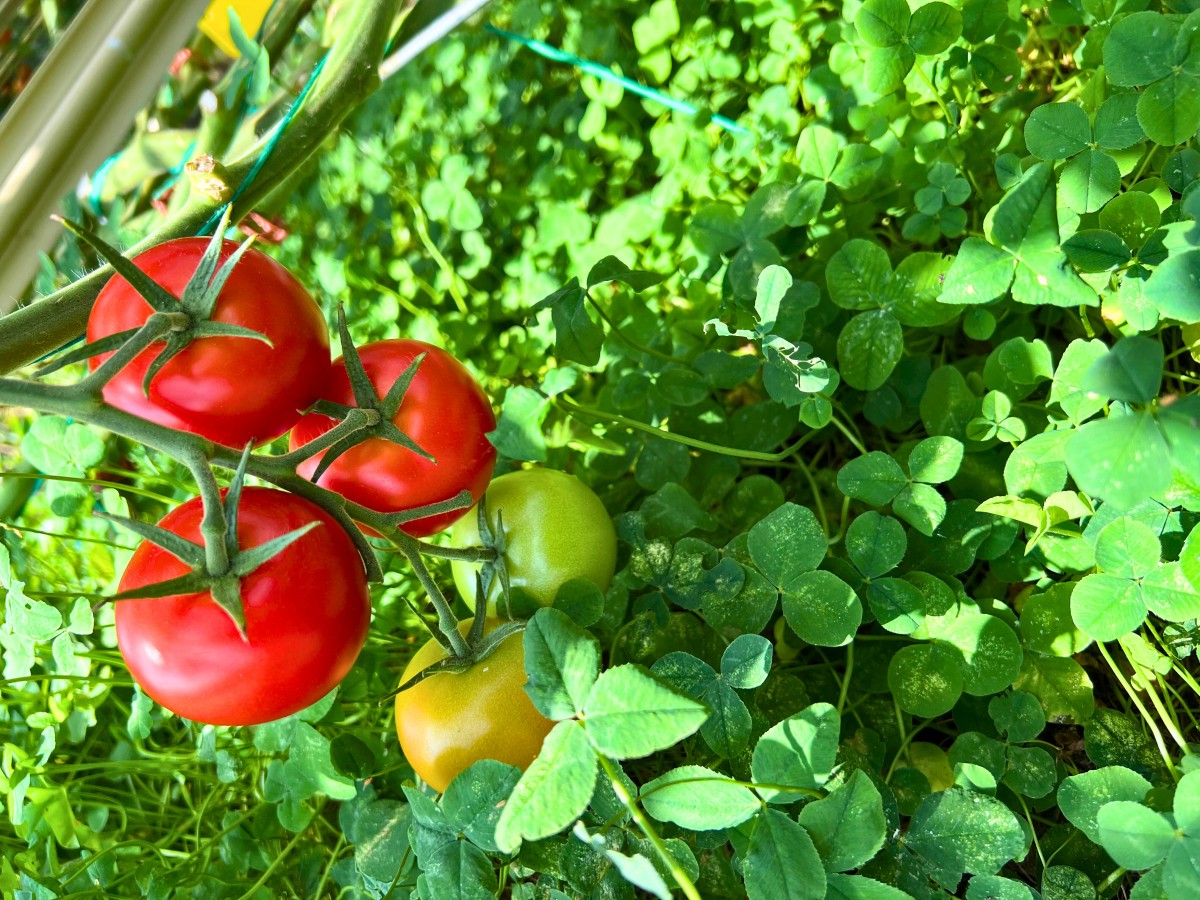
307,612
228,389
445,412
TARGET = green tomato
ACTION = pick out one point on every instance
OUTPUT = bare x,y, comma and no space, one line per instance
556,529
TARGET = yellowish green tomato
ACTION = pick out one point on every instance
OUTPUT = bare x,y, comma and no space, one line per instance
556,529
449,721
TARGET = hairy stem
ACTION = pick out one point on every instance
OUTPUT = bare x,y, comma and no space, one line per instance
447,621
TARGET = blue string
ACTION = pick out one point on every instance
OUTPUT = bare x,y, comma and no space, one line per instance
605,74
280,127
58,350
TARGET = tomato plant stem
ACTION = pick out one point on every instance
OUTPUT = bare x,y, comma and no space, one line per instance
156,326
349,75
198,454
356,420
212,526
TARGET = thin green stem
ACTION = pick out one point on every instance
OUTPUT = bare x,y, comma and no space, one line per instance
641,348
570,406
356,420
855,441
1178,376
908,738
1164,716
63,537
337,849
846,676
275,864
618,786
421,226
1168,688
812,486
1137,701
156,326
41,476
213,525
460,554
1037,845
1112,879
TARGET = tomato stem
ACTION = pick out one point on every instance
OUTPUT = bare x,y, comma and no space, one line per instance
449,636
199,454
213,525
156,326
461,500
350,74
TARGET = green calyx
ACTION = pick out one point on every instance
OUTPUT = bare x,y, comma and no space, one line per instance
479,647
225,586
495,568
176,320
367,398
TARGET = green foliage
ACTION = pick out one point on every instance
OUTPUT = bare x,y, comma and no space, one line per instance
893,401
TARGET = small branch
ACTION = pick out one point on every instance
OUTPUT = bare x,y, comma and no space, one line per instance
447,621
461,500
459,554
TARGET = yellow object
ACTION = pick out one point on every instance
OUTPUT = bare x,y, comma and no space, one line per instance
1191,337
933,763
449,721
215,21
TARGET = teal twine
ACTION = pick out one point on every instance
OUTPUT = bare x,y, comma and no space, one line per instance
272,141
98,184
605,74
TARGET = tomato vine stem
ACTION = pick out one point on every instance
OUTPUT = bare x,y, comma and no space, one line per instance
199,454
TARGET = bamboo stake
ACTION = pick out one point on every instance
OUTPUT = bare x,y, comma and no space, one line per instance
74,112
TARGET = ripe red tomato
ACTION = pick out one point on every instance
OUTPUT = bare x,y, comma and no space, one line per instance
228,389
449,721
307,612
444,411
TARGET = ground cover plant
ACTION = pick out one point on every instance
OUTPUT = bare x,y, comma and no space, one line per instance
842,482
